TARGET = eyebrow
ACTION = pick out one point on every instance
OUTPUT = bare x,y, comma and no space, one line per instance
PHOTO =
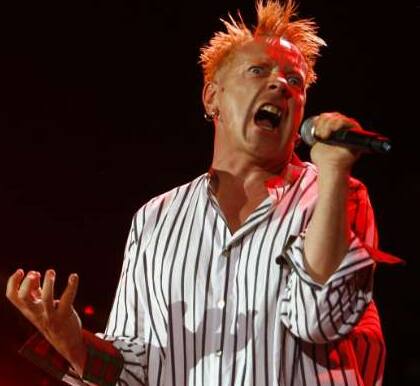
294,68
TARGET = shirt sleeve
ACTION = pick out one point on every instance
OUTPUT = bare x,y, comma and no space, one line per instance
322,313
125,327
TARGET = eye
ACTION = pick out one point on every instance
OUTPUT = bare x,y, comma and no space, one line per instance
256,70
295,80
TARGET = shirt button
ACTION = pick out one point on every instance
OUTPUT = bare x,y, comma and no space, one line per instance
221,303
219,353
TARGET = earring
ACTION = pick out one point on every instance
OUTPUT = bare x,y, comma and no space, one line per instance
209,117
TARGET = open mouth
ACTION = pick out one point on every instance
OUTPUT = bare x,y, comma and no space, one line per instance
268,117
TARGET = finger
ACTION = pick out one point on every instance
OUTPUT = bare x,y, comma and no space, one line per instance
328,123
30,287
69,294
13,285
320,124
342,122
47,294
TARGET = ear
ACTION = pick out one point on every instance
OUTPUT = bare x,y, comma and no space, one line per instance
209,97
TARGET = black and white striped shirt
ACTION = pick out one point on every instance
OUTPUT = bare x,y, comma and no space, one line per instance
197,305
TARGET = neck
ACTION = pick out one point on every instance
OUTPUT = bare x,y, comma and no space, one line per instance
245,178
239,184
245,169
239,188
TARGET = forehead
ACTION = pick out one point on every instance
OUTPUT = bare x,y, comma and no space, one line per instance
276,50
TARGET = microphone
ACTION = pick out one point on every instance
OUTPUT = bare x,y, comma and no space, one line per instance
365,141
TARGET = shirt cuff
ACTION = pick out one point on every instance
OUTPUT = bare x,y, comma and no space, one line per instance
39,351
103,361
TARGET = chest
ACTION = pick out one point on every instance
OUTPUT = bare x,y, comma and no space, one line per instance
195,269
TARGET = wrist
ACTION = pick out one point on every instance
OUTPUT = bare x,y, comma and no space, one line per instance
335,178
75,354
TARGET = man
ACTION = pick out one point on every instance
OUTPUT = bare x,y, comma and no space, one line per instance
258,272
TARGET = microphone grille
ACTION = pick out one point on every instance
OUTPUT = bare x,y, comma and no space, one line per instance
307,131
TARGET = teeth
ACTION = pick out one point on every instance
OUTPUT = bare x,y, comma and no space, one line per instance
271,109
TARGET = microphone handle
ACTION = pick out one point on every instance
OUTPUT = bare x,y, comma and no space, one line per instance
365,141
368,142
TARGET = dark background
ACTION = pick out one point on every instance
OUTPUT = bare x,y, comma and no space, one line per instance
100,110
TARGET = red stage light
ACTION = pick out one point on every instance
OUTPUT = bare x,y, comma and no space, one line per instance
89,310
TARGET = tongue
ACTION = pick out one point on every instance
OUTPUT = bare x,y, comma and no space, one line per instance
266,119
264,123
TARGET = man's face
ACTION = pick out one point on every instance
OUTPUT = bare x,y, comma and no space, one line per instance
260,96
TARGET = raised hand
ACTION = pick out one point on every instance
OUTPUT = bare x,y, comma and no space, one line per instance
57,320
328,234
337,157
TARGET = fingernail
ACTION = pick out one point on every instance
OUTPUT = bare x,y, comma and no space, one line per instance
73,278
20,272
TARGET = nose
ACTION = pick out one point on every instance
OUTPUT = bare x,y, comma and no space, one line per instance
279,84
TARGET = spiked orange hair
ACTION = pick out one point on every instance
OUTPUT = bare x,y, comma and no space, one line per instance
273,22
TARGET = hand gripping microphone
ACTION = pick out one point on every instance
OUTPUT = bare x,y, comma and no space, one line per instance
365,141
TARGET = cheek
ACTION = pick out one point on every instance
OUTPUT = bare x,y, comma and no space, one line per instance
298,102
233,105
297,106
